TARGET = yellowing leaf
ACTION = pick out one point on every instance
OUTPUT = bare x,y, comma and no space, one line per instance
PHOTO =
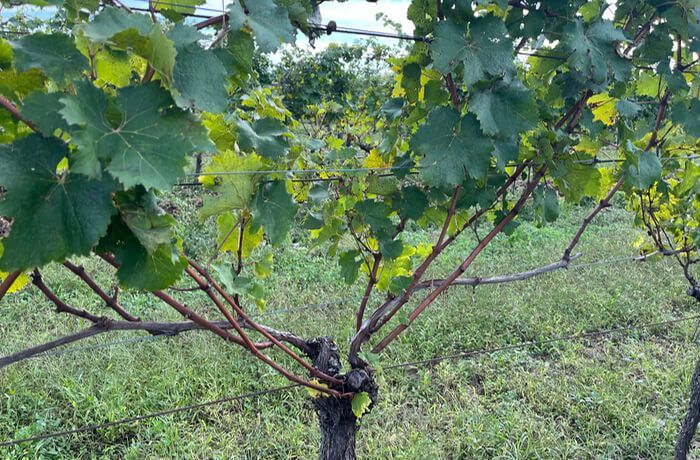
603,107
21,281
228,230
314,393
375,160
360,403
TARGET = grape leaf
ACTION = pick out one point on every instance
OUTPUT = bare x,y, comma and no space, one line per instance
111,21
688,116
376,215
360,403
410,81
66,212
591,51
55,54
452,146
42,109
274,208
136,33
266,137
411,203
228,235
233,191
547,204
150,271
147,144
349,265
199,77
147,221
643,168
269,22
504,110
482,49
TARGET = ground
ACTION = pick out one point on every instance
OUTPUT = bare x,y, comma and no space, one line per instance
619,396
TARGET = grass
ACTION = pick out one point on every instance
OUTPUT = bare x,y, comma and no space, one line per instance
620,396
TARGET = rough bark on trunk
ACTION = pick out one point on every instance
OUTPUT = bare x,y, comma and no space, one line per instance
690,423
335,416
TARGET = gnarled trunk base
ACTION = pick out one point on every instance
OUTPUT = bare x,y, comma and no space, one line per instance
335,416
690,423
338,427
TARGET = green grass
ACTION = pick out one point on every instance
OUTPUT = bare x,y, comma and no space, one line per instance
620,396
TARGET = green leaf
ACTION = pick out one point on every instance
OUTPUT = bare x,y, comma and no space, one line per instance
392,108
627,108
411,203
147,221
55,215
267,137
228,231
398,284
376,215
237,56
43,110
274,208
269,22
410,81
199,77
591,51
547,203
452,146
360,403
643,168
504,110
111,21
349,265
149,271
576,180
263,267
14,85
482,48
143,142
55,54
391,249
136,33
688,116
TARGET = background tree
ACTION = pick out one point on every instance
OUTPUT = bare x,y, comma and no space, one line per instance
496,104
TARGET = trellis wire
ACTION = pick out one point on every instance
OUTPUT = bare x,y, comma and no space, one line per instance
589,162
256,394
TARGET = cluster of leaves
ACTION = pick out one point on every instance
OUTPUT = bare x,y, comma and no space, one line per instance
113,111
120,102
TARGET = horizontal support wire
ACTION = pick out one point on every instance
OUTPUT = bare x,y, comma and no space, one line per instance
256,394
589,162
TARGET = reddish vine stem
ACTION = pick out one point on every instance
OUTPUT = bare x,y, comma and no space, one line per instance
430,298
224,311
183,310
253,349
368,291
7,283
257,327
61,306
14,111
602,204
380,316
108,300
